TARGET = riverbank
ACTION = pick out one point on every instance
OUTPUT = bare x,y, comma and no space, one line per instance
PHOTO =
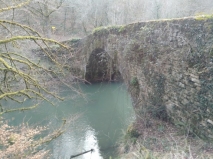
158,139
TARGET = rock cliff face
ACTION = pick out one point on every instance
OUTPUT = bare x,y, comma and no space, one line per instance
167,65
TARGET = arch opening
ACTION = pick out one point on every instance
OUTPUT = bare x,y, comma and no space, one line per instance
101,67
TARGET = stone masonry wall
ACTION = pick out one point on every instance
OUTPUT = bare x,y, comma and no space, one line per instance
168,66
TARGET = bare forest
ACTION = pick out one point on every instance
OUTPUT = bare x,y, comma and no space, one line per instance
41,24
62,19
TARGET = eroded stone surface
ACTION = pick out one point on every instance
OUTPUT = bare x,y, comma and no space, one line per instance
172,61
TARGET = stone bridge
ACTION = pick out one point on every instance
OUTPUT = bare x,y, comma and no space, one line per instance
166,64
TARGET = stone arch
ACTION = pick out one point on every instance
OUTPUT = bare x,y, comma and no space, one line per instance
101,67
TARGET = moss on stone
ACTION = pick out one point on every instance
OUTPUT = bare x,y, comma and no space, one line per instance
115,27
99,30
134,82
158,60
122,28
204,17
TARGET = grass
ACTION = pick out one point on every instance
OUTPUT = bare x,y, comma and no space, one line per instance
162,140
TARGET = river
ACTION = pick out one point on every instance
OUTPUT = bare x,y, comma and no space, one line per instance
96,120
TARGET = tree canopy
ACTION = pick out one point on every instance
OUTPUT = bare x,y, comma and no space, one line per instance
20,73
23,77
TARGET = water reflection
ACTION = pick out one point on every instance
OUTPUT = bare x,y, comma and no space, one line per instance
106,112
91,141
69,145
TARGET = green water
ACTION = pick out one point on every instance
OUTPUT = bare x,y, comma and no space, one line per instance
96,120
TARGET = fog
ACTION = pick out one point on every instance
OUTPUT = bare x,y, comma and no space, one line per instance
95,13
77,18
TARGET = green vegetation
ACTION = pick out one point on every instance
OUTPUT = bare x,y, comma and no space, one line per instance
204,17
132,132
99,30
128,139
134,82
117,28
122,28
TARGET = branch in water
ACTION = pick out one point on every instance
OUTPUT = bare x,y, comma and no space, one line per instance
73,156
